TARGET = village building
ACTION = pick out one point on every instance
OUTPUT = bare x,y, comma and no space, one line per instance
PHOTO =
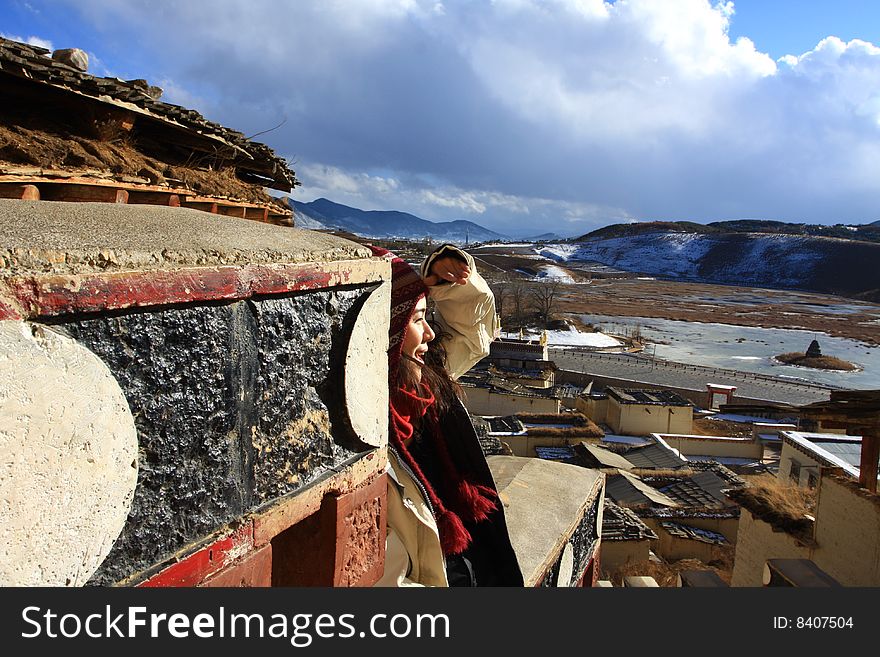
531,378
804,454
527,433
676,541
841,536
727,450
521,354
487,394
625,538
840,533
598,457
639,412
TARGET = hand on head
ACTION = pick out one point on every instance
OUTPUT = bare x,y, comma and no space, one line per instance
448,269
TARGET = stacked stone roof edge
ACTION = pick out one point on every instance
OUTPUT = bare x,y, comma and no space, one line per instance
33,63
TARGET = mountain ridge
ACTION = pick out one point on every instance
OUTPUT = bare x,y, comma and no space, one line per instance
323,213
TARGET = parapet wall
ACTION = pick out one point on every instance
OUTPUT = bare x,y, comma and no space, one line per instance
251,358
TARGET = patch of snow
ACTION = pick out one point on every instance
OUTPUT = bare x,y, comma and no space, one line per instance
783,260
558,252
301,220
730,417
573,337
629,440
552,272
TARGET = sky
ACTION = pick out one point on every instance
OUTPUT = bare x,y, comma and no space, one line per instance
525,116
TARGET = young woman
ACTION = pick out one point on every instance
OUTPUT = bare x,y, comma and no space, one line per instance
446,524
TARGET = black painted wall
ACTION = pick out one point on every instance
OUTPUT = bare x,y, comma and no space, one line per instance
235,405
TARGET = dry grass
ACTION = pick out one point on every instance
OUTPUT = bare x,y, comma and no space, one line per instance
665,574
657,474
781,505
721,428
567,432
575,419
817,362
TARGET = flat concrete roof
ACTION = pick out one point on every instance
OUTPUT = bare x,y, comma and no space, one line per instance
543,503
77,238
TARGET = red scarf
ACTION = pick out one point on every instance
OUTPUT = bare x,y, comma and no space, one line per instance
461,500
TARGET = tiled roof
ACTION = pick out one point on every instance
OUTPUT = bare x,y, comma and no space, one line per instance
733,480
629,490
595,456
689,512
703,489
501,385
507,424
491,445
564,453
621,524
32,63
657,456
652,397
834,450
693,533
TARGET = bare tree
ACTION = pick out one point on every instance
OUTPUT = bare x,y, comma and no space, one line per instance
501,290
545,298
518,298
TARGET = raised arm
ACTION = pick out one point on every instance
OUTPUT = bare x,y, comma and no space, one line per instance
465,307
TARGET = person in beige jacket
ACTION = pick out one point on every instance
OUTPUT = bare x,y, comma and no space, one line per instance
446,526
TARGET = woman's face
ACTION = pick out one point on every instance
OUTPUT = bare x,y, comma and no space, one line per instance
418,334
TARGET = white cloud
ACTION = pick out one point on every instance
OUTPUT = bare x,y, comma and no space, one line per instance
442,202
528,110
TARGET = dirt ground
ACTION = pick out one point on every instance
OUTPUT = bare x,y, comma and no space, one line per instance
23,147
706,427
665,574
699,302
687,302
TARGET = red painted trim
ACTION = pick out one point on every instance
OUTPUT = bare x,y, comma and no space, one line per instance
49,295
8,312
199,565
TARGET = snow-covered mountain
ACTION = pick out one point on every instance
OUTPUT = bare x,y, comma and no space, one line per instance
324,214
821,264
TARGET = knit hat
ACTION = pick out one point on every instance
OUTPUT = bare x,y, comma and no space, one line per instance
470,501
407,288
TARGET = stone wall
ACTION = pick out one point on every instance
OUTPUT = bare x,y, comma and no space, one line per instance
848,532
247,363
618,553
758,541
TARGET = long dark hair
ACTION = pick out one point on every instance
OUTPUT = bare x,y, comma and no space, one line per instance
434,379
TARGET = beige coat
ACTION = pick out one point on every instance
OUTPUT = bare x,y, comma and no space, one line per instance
413,556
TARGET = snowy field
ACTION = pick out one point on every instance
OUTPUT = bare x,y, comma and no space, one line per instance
554,273
575,338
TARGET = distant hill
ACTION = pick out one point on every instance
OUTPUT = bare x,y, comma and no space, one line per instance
544,237
714,254
325,214
862,233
